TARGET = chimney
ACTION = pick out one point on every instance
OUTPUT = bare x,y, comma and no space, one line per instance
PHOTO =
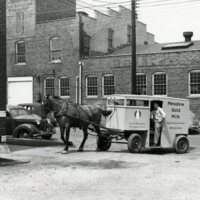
188,36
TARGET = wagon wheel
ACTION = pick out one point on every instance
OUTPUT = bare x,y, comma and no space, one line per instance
181,144
134,143
103,143
24,134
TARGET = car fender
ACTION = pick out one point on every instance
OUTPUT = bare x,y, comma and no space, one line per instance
28,127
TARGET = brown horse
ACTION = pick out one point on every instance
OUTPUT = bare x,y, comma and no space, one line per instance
70,115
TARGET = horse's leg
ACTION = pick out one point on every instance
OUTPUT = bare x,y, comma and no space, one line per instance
98,131
67,133
62,133
84,138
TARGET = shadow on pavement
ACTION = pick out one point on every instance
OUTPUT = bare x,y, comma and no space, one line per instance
9,162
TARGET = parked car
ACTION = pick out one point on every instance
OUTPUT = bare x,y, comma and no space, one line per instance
22,124
36,108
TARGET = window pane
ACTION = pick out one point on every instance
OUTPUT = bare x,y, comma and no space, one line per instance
109,85
195,82
64,87
92,87
141,84
55,49
49,86
20,52
160,84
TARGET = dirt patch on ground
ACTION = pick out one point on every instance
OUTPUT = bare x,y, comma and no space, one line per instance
9,162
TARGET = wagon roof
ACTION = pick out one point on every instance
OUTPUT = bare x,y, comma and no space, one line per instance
145,97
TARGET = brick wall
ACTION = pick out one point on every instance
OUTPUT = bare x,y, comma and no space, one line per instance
3,95
177,65
47,10
38,63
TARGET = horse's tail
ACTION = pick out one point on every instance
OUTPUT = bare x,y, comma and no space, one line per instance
106,113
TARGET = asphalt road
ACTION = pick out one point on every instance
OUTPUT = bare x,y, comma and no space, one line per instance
116,174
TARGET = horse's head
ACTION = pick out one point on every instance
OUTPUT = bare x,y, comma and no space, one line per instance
47,105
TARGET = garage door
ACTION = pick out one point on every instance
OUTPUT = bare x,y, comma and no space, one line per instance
20,90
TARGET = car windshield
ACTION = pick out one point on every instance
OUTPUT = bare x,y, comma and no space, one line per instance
18,112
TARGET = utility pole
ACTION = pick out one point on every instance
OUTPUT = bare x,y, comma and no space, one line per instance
3,75
134,58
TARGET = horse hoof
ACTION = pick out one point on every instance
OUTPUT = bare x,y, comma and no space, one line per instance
80,150
64,152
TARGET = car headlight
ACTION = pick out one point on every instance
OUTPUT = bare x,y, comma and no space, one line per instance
38,122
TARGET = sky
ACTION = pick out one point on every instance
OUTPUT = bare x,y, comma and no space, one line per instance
166,19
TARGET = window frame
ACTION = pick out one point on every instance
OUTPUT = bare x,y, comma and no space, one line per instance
129,34
16,52
91,96
103,86
110,39
45,94
153,85
189,84
64,77
140,84
52,50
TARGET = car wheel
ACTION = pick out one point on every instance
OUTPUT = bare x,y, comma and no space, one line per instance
134,143
181,144
47,137
24,134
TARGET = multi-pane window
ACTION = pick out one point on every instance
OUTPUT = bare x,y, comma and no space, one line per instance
49,86
92,86
110,39
55,49
141,84
20,52
160,84
129,34
195,83
108,85
64,87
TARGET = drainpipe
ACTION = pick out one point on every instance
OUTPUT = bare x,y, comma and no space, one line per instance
80,82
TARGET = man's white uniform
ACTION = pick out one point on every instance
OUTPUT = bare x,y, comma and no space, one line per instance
158,115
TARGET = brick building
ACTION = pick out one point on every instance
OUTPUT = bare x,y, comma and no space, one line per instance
44,54
162,69
3,86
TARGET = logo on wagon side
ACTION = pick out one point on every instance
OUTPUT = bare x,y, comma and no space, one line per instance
138,114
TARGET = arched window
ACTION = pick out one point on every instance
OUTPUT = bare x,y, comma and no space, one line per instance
194,82
20,52
55,50
64,89
108,84
49,86
141,84
91,86
160,83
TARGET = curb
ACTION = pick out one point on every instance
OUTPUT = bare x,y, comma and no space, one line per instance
33,142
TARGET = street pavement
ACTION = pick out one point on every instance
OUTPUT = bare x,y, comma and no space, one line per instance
116,174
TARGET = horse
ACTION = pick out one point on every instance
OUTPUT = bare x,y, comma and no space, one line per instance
70,115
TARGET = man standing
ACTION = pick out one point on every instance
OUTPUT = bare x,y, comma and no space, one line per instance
158,115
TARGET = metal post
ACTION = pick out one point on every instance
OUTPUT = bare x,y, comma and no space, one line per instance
134,61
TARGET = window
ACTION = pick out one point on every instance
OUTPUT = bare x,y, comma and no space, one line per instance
160,84
49,86
86,49
64,87
132,102
141,84
129,34
92,86
108,85
194,83
20,52
55,50
110,39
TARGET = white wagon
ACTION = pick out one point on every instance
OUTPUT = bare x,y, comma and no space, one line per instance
131,120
